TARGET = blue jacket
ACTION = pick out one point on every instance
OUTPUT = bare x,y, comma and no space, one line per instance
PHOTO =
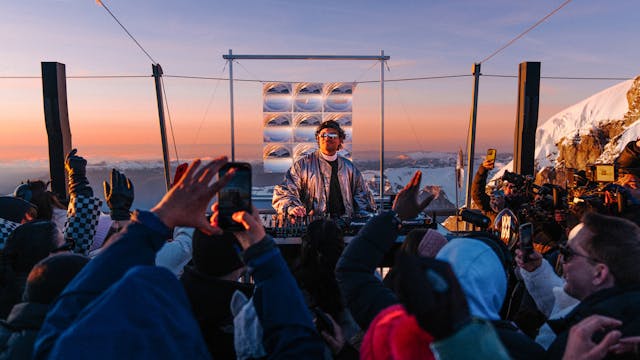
121,306
289,332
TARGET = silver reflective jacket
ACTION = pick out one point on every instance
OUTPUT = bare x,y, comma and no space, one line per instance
307,184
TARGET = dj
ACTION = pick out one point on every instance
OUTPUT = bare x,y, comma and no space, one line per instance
324,183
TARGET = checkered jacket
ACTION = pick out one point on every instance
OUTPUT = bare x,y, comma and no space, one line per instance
82,220
6,228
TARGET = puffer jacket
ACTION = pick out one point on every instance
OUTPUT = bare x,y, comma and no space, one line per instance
307,184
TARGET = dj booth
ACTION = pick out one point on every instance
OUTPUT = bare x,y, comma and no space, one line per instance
287,232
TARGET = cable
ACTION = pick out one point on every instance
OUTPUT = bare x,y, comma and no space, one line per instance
247,70
561,77
173,136
525,32
99,2
416,78
206,110
356,81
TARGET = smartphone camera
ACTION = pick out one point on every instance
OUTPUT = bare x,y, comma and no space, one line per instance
491,155
526,240
235,195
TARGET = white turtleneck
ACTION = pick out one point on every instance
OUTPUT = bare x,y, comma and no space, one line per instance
329,157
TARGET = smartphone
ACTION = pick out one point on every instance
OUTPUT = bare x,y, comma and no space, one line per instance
235,195
322,321
526,240
491,155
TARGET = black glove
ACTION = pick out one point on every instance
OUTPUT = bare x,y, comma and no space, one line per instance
119,195
430,291
76,167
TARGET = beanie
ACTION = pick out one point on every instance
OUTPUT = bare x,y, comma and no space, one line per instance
431,243
51,275
216,255
394,334
30,243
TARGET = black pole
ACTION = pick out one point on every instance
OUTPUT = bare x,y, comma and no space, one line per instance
157,75
471,141
524,144
56,118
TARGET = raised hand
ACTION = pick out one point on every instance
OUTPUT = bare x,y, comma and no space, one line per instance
119,195
186,202
254,231
580,344
76,167
406,203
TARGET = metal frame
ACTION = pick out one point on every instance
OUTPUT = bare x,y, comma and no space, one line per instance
382,58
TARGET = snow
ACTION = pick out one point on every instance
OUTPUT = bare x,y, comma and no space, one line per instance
580,119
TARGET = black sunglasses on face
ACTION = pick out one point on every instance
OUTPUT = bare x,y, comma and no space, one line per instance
567,253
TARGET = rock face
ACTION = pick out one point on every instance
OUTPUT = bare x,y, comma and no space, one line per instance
590,132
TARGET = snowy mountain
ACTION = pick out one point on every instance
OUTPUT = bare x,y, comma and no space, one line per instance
594,130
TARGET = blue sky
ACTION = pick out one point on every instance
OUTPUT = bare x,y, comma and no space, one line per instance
591,38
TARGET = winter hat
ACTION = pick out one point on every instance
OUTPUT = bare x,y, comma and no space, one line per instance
30,243
431,243
13,208
51,275
395,334
216,255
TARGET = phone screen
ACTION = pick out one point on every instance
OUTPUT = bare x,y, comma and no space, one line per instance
491,154
235,195
526,240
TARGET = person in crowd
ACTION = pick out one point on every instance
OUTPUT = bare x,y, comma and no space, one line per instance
426,311
483,277
45,282
27,244
320,248
490,205
48,205
323,182
600,270
423,242
84,209
210,284
17,210
546,290
121,306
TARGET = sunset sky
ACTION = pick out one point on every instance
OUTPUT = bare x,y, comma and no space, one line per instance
117,117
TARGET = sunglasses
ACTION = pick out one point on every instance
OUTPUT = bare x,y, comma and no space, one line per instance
568,253
329,135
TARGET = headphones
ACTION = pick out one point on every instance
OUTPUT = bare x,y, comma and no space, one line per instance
23,191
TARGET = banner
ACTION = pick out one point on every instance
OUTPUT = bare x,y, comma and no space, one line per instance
291,114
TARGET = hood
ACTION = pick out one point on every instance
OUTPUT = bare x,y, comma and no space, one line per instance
480,273
145,315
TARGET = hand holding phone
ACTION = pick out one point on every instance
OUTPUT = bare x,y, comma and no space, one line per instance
526,241
235,195
491,155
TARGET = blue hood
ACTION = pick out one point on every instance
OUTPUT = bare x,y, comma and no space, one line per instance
145,315
480,273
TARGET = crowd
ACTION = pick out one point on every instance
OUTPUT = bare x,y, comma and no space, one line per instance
170,283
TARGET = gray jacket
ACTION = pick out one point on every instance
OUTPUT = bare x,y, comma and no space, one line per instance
307,184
